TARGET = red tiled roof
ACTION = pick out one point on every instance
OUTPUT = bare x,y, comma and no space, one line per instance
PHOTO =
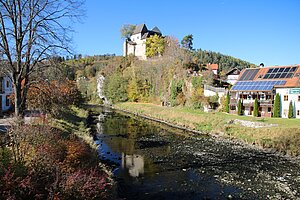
213,66
290,82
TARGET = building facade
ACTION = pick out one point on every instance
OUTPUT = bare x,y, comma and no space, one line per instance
6,90
263,84
136,44
286,96
233,76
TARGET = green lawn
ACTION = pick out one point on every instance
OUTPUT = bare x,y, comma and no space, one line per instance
284,137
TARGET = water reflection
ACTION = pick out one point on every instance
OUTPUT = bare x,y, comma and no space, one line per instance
151,162
134,163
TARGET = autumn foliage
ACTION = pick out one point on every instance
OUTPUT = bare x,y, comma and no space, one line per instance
54,166
51,97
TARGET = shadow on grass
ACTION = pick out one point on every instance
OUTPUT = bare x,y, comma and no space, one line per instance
69,121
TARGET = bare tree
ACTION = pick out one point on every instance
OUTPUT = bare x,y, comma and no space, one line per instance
31,32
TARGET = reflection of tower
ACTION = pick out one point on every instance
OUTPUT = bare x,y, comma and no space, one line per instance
134,163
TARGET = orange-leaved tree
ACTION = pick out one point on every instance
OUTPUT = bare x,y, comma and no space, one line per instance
52,96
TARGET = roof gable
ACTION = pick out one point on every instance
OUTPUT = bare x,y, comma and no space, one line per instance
141,28
234,71
156,30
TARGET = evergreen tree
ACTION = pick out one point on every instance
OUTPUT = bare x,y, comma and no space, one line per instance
187,42
277,105
291,110
255,108
240,110
227,103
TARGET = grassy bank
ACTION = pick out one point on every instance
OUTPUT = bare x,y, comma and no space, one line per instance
284,137
74,121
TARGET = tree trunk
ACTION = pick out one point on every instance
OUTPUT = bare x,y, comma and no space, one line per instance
18,99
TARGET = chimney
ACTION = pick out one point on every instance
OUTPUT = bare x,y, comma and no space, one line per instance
261,65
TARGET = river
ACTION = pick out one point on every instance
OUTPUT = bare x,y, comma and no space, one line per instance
154,161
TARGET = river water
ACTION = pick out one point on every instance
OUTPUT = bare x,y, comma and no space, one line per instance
154,161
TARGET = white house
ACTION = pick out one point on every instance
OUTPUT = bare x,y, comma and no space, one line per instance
262,84
214,68
136,44
287,95
6,90
233,76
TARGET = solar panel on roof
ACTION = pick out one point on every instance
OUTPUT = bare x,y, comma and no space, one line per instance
271,76
283,75
256,85
266,76
255,71
249,74
244,74
293,69
289,75
278,73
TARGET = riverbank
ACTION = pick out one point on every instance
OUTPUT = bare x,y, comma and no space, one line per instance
282,135
54,159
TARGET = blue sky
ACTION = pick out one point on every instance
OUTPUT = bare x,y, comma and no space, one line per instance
257,31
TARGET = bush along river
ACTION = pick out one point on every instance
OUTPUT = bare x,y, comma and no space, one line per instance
154,161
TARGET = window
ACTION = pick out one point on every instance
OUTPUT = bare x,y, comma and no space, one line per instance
269,109
298,112
7,103
298,97
7,84
285,98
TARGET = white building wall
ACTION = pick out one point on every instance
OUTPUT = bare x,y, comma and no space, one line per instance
232,79
140,50
5,93
215,71
293,96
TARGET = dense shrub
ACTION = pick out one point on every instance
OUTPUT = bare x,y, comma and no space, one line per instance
52,160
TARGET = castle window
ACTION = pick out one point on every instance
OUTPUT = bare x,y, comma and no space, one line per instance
285,98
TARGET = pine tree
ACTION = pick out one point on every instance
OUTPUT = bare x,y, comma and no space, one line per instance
276,107
227,103
240,111
255,108
291,110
